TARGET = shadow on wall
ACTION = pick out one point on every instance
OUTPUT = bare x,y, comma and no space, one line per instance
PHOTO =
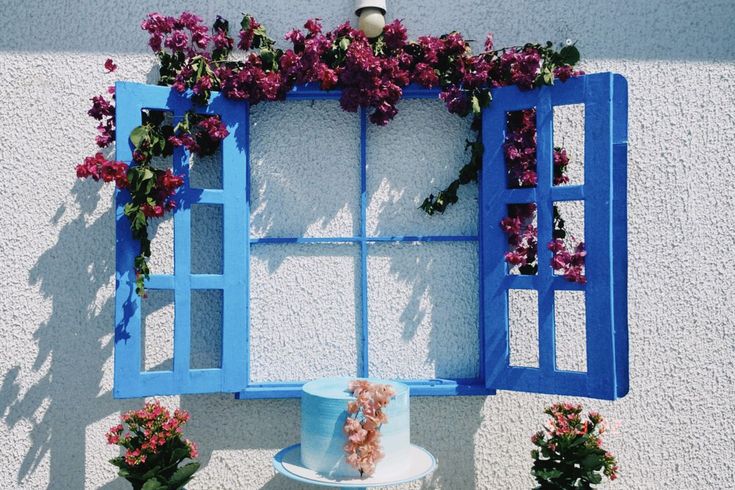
73,346
71,274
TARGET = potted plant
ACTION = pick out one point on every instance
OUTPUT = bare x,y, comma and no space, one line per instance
154,448
569,450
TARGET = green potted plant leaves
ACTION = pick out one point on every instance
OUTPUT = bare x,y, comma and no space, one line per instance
569,451
154,448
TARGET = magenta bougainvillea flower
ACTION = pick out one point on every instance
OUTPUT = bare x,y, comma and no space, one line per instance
110,66
371,74
520,158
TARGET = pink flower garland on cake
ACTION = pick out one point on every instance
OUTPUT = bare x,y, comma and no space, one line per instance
362,426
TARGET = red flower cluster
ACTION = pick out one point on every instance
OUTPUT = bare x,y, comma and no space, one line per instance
159,201
100,168
183,34
150,431
362,426
570,449
520,149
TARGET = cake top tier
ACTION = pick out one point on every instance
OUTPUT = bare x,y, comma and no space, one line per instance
336,387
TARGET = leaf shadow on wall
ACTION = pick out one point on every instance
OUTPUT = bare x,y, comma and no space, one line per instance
305,170
75,349
73,346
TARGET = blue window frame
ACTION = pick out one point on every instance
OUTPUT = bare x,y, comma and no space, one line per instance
131,99
494,370
604,97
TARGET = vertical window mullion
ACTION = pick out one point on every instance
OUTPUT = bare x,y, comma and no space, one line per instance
182,271
364,362
544,210
495,344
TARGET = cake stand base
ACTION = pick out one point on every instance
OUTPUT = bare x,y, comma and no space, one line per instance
419,463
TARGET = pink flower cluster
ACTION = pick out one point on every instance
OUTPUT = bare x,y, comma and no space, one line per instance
567,428
160,199
520,149
520,158
362,426
100,168
522,236
150,431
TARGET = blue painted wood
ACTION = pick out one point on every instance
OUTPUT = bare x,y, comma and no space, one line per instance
231,376
369,239
363,367
604,194
427,387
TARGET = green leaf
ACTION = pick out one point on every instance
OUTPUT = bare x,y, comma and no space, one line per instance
119,461
151,473
183,475
153,484
179,453
592,461
569,54
476,108
138,135
344,43
245,22
595,478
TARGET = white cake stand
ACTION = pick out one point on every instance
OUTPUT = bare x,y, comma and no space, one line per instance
419,463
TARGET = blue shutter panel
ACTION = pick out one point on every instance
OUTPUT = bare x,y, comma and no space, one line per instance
604,194
131,98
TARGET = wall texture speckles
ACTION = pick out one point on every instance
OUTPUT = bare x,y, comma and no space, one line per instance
56,246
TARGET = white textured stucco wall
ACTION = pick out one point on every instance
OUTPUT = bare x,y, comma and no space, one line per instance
57,261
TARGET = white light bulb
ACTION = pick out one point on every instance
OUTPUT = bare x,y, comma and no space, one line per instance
372,21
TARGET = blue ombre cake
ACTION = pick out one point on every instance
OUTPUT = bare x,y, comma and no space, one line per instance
323,415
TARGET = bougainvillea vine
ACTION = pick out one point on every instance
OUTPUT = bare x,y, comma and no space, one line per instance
520,158
371,74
